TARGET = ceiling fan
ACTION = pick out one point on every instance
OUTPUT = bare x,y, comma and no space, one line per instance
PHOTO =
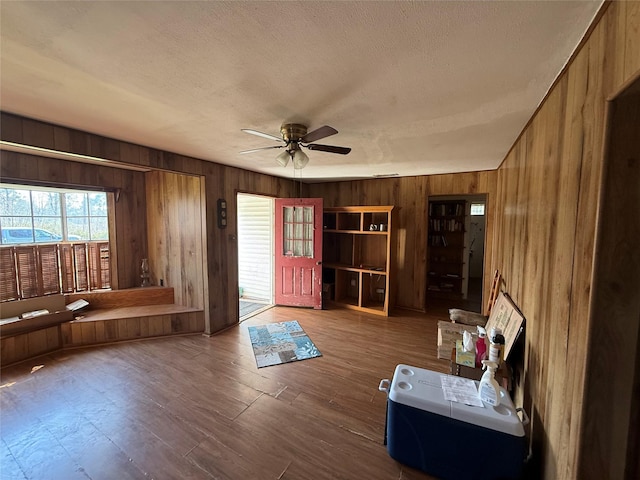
295,136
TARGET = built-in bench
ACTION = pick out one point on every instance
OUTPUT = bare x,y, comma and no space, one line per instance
12,323
111,316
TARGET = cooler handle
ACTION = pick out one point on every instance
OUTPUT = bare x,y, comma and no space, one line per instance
525,417
384,385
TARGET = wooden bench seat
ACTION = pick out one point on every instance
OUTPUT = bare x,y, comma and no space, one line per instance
126,297
12,323
111,316
132,312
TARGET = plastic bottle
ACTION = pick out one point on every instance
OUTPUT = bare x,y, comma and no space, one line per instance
496,348
489,390
481,346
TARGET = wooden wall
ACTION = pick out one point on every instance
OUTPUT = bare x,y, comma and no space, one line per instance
177,245
611,416
410,197
130,213
29,345
221,269
96,332
546,219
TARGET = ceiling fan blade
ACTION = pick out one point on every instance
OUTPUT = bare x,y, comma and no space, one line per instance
329,148
318,133
264,135
261,148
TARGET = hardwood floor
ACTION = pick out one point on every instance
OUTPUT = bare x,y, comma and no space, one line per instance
193,407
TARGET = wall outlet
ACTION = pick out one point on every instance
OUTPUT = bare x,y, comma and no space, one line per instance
353,282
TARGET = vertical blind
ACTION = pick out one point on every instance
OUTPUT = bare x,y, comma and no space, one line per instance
38,270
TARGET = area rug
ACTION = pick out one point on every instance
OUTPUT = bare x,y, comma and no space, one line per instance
284,342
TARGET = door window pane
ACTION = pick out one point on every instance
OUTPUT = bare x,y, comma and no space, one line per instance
297,231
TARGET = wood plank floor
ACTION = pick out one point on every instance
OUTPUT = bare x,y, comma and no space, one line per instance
193,407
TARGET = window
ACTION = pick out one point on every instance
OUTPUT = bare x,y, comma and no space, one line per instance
52,241
477,209
298,231
49,215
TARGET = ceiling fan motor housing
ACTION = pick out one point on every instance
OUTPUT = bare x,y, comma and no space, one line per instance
292,132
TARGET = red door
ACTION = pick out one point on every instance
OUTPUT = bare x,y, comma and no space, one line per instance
298,257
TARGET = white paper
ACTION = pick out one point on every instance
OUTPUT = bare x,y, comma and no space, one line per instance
461,390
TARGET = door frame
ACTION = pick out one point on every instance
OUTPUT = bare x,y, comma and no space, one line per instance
271,300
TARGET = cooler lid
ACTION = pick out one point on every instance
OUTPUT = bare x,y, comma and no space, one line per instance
422,389
419,388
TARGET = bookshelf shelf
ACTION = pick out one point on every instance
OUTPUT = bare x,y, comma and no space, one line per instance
357,257
445,247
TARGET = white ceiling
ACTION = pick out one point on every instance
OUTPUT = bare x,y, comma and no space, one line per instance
414,88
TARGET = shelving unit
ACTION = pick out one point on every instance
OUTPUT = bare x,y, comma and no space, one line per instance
445,271
357,257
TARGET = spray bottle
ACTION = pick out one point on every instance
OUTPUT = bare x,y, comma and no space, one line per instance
489,390
481,346
496,347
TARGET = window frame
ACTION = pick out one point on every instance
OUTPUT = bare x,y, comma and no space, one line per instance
63,216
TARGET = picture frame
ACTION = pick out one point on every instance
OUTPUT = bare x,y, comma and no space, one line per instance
506,316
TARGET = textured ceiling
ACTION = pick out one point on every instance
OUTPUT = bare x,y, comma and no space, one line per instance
414,88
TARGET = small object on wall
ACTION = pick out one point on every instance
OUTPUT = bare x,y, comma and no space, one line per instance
144,268
222,213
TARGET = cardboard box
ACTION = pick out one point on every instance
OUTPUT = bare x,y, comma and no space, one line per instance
467,359
448,333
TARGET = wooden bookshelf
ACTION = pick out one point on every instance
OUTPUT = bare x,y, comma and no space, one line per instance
357,257
445,247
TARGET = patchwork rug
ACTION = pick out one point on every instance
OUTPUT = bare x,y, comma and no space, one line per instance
283,342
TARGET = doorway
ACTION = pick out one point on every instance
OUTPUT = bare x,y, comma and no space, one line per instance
610,418
455,251
255,253
475,247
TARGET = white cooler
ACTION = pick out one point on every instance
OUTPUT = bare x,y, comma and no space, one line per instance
450,440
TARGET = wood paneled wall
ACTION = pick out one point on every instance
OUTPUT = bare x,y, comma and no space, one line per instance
410,196
27,345
177,245
612,412
221,269
546,219
130,213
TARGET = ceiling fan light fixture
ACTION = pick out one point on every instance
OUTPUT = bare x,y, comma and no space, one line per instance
295,136
283,158
300,159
